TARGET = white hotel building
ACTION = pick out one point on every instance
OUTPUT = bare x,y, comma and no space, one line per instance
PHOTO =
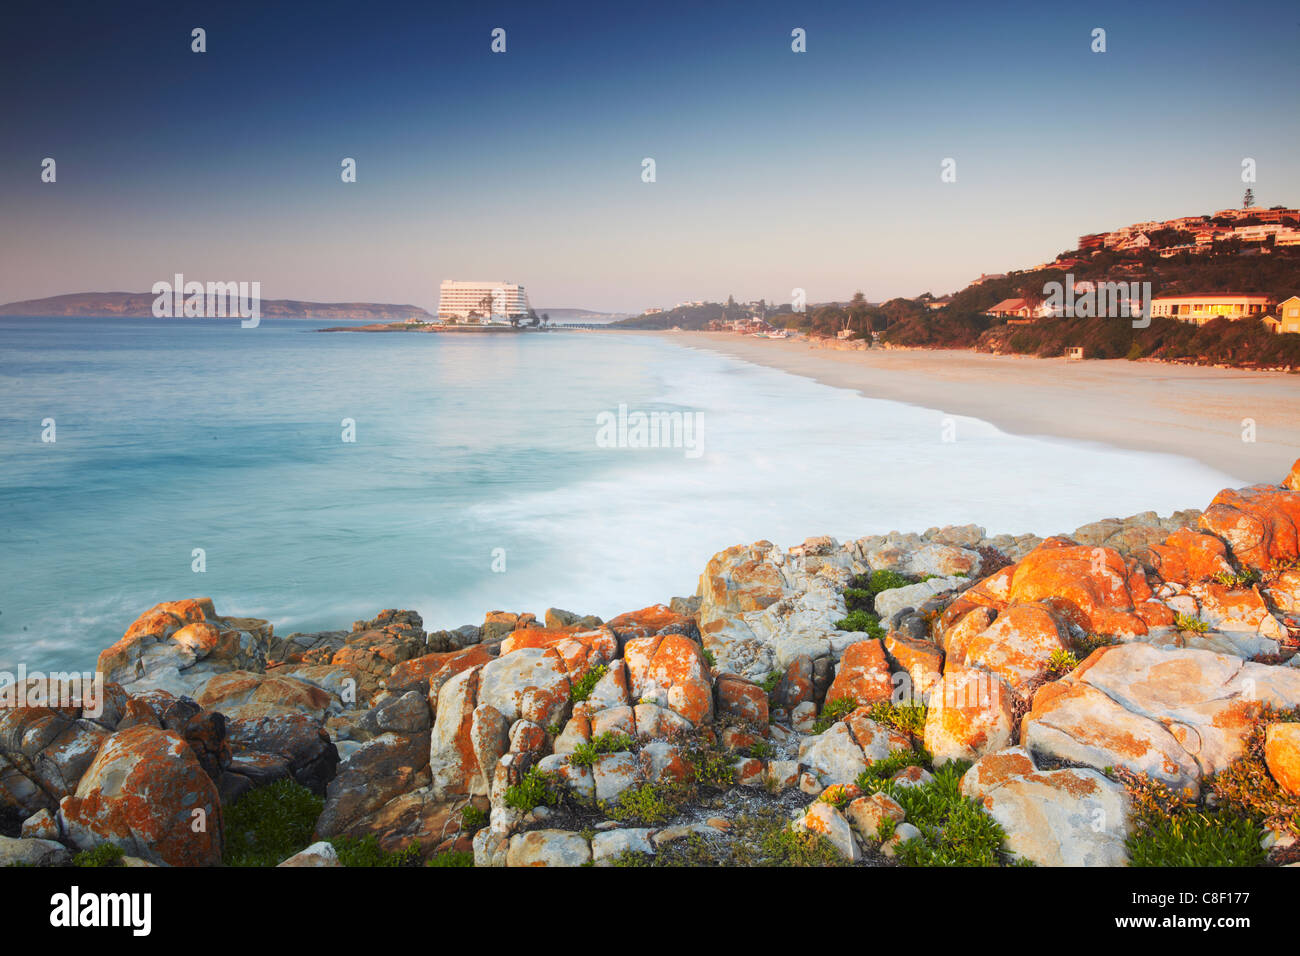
488,301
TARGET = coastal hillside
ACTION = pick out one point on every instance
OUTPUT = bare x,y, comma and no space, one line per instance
139,305
1127,695
964,322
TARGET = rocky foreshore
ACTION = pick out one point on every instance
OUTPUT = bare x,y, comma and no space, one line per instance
1129,694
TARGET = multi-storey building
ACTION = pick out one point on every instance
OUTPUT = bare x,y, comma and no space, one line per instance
1202,307
486,301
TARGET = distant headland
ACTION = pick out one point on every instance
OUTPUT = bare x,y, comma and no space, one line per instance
139,305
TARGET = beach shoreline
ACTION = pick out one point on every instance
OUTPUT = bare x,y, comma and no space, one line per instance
1195,412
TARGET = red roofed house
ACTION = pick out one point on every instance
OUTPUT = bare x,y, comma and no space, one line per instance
1008,308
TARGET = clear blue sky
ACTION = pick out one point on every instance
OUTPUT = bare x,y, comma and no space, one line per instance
775,169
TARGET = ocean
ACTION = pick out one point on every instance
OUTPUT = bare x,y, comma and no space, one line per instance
478,479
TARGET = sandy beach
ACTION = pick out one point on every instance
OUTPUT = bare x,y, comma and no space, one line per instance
1176,409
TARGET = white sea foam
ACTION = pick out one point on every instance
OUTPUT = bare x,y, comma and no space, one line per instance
465,450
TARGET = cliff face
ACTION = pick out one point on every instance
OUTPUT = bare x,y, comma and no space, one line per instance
1041,691
139,305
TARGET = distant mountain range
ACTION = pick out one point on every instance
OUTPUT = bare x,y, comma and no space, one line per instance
139,305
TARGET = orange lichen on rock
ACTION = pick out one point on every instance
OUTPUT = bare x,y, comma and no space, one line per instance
1187,556
1261,524
863,674
147,793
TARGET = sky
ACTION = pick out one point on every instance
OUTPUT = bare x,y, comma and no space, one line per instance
774,170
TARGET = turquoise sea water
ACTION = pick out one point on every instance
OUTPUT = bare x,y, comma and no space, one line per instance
470,451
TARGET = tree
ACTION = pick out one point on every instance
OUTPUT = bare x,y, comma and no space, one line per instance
1249,200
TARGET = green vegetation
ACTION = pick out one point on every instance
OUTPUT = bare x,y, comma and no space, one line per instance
535,788
270,824
875,776
1060,662
581,689
837,796
863,621
863,588
1238,579
1222,341
884,580
1247,785
106,854
367,852
770,681
762,749
472,819
710,658
452,858
855,598
963,324
860,600
584,755
955,831
1170,829
1084,646
1225,825
788,847
710,768
909,718
761,838
1185,622
649,804
832,712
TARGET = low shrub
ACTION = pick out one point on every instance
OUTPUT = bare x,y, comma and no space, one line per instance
1247,786
1059,663
366,851
452,858
581,689
877,774
1185,622
861,622
106,854
955,831
1238,579
909,718
585,754
268,825
1171,829
535,788
832,712
648,804
1084,646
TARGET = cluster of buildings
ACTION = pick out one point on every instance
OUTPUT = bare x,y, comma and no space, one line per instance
486,303
1197,308
757,307
751,325
1250,225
